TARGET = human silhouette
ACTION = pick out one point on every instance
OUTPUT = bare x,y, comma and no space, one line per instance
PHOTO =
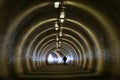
64,59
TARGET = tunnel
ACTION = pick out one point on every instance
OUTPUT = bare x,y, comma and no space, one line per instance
35,35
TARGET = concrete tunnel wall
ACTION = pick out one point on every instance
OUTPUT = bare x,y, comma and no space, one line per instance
90,35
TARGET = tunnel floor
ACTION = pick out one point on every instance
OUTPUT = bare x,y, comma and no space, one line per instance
62,72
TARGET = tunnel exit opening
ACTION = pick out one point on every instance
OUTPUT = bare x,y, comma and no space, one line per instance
57,58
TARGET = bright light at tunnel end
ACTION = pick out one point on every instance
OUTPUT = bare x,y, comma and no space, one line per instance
52,59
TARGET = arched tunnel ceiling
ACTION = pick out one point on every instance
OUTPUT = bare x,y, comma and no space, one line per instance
91,37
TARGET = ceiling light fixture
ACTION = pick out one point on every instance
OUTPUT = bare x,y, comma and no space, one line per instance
57,38
57,4
61,20
62,14
60,33
56,26
60,42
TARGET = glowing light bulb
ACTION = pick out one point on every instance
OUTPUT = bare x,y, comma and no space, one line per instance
56,26
57,38
56,4
60,34
62,14
61,20
60,42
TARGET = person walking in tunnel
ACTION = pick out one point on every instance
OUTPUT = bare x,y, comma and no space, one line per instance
64,59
